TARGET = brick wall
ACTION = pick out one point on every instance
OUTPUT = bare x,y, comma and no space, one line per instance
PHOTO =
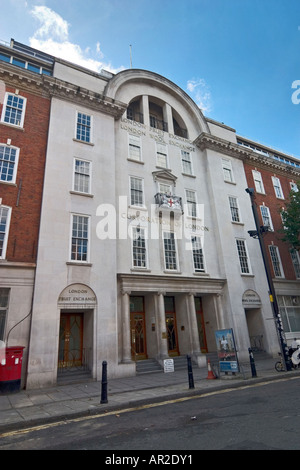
275,205
24,197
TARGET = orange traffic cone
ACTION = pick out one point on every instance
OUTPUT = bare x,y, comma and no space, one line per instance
210,374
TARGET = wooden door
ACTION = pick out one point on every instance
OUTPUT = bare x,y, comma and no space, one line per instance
137,328
70,340
170,313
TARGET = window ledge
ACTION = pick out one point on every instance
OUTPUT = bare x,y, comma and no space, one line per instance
188,174
202,274
143,270
13,126
237,223
83,142
78,193
78,263
135,161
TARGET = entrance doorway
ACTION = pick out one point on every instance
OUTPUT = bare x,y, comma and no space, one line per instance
171,326
201,325
70,340
137,328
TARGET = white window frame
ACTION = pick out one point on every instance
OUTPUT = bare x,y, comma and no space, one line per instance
187,164
243,256
197,252
192,206
4,294
19,123
89,175
258,182
159,147
168,235
161,188
4,233
234,209
141,190
139,253
84,140
276,261
296,262
277,187
15,163
227,170
77,260
266,217
134,148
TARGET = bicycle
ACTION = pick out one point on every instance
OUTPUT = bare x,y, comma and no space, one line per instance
279,366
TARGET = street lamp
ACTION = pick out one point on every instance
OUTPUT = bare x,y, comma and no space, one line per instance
258,233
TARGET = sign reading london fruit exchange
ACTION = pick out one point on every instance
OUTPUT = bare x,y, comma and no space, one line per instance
77,296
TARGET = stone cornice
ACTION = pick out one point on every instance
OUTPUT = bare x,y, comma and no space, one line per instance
48,87
208,141
169,283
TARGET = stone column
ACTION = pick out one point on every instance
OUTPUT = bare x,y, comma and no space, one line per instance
167,113
219,312
145,110
194,325
126,351
162,330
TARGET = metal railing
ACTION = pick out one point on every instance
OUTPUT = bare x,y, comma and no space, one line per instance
74,359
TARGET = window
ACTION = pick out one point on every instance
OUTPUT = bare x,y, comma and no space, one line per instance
198,258
243,256
186,161
139,249
191,203
276,262
277,187
135,148
4,298
234,209
289,308
170,251
136,191
14,110
8,163
227,170
258,182
296,262
161,155
266,217
165,188
4,228
83,129
82,176
80,238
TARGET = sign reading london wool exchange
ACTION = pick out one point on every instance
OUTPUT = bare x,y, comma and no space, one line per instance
77,295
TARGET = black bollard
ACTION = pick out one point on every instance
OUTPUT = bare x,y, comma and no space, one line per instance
252,363
104,383
190,372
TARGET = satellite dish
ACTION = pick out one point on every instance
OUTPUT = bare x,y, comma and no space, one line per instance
295,357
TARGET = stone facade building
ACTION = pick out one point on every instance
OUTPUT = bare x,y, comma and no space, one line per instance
143,251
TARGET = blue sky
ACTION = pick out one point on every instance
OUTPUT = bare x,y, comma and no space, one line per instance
238,59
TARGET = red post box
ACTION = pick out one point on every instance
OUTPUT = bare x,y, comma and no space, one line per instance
11,369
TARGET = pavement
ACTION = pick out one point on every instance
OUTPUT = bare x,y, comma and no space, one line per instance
29,408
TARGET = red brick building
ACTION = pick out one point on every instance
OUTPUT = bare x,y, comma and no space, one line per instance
273,175
24,119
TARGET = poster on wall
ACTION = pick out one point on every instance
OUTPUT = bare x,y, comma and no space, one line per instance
228,361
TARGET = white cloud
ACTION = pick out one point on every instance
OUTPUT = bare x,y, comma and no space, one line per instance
200,93
52,37
52,24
